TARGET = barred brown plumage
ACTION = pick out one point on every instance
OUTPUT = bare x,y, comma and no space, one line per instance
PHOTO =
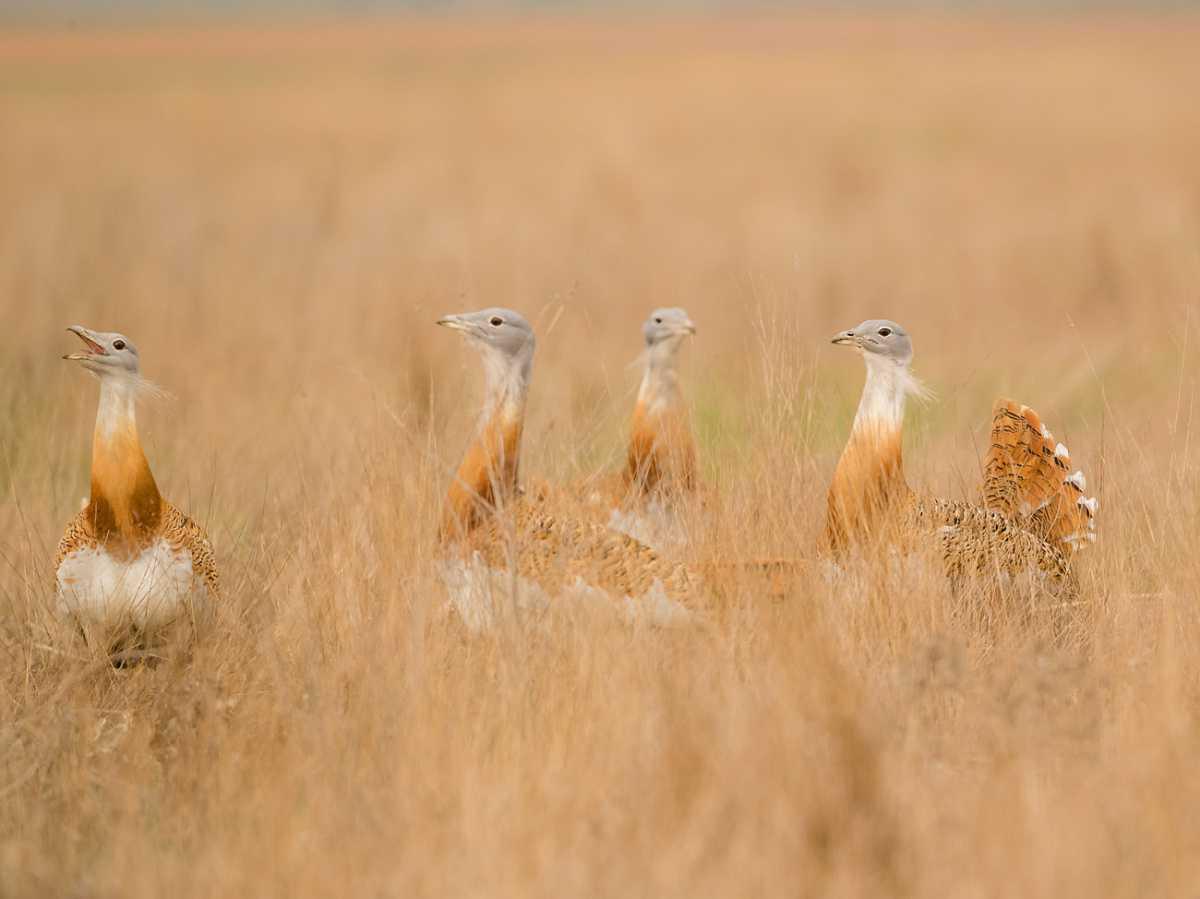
1034,515
180,533
556,552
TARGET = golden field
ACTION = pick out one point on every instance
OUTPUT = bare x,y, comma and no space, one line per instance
278,214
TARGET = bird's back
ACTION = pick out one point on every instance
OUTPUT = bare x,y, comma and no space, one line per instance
979,542
557,551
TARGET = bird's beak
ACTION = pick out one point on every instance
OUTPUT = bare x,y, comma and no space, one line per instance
845,338
454,323
686,328
94,348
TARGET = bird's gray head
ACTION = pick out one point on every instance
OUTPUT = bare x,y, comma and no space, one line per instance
502,330
108,354
503,337
878,338
669,325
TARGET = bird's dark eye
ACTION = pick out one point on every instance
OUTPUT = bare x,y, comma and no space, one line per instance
496,321
118,344
658,321
885,332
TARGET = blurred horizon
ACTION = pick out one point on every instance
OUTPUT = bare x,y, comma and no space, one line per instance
82,12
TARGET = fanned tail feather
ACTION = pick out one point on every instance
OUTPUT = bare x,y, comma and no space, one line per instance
1028,478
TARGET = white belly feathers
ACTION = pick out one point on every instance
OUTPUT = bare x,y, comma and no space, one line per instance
148,591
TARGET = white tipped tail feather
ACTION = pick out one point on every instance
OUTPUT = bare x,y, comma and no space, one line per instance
1027,475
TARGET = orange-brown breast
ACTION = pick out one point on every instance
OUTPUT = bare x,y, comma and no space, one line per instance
488,475
125,509
661,453
867,487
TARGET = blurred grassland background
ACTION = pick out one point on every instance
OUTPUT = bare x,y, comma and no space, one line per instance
277,214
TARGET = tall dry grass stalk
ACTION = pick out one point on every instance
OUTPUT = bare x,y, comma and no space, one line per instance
278,215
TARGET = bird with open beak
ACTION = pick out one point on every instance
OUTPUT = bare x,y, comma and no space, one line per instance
130,563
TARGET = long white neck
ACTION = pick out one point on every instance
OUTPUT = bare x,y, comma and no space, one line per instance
117,410
881,408
506,385
660,389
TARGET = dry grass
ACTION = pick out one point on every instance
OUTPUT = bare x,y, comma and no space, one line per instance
278,216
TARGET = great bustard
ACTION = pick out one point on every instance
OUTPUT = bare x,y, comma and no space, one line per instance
1034,514
661,461
488,517
651,499
130,563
